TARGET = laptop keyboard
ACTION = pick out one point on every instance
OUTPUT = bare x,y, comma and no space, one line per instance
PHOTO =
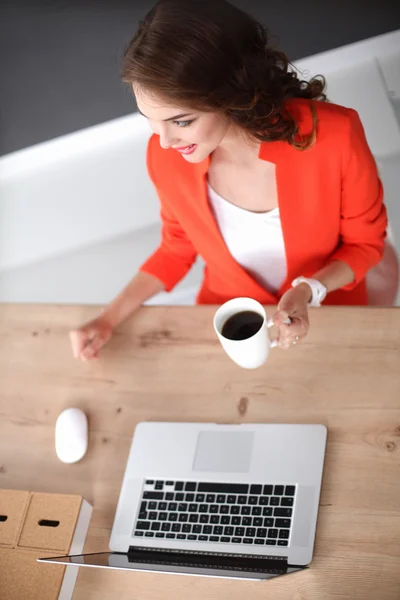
227,513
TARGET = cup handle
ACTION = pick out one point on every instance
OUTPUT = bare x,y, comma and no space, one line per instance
270,323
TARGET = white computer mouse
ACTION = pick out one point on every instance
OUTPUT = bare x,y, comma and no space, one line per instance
71,435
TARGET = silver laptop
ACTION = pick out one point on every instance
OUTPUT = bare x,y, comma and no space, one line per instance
216,500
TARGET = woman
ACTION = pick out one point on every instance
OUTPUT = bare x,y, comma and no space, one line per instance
273,187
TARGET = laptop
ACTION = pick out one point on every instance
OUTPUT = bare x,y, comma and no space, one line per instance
236,501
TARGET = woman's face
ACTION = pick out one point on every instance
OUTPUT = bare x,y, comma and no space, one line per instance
194,134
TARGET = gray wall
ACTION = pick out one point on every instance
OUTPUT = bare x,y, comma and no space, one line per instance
59,59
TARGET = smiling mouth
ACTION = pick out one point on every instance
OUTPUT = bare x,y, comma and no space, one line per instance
187,149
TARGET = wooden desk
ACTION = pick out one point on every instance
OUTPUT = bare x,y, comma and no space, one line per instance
166,364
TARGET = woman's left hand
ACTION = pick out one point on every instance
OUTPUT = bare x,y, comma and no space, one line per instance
294,306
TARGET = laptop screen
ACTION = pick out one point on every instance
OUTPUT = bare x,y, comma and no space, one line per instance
115,560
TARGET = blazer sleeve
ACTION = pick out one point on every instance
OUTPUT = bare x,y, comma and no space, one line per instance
176,253
363,215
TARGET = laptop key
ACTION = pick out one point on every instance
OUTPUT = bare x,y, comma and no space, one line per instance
224,509
166,527
278,490
272,533
170,536
282,512
259,541
207,529
155,526
143,515
214,509
159,534
159,485
250,532
221,499
190,486
225,520
179,497
182,507
290,490
231,499
246,521
203,508
214,538
283,543
192,537
284,523
149,534
268,489
268,522
149,481
183,518
143,525
143,506
247,541
245,510
139,533
189,497
270,542
193,518
261,532
162,506
196,528
253,500
214,519
186,528
181,536
286,501
274,501
218,530
203,538
162,516
210,498
242,499
267,511
263,500
236,540
176,527
284,534
256,510
228,531
178,486
236,520
193,508
153,495
173,517
169,496
255,489
204,518
152,516
172,506
239,531
225,539
200,497
169,483
225,488
258,521
235,510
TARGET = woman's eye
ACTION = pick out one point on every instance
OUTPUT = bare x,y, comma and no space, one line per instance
182,123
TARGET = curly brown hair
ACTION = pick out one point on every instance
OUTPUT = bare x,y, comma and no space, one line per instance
208,55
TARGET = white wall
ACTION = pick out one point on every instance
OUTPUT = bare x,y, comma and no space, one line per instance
78,214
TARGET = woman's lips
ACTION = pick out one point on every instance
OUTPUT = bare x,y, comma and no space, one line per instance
187,149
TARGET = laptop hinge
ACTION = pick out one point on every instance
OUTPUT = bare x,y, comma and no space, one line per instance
209,560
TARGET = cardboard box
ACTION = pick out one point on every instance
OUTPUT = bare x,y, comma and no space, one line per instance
35,525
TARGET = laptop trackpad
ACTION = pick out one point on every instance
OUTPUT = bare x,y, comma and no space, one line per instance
223,451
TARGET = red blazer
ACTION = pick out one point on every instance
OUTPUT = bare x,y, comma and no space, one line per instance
330,202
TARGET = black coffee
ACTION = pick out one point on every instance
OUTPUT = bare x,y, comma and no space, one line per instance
242,325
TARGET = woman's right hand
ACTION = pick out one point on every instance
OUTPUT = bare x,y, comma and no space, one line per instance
87,341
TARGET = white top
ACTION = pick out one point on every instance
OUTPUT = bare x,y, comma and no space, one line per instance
255,240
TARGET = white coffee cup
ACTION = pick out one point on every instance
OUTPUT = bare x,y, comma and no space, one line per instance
251,352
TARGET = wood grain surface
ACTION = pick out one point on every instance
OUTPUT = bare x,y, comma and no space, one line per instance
166,364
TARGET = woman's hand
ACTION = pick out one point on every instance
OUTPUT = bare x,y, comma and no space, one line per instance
90,338
294,306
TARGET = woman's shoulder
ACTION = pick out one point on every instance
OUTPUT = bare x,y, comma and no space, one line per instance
334,121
